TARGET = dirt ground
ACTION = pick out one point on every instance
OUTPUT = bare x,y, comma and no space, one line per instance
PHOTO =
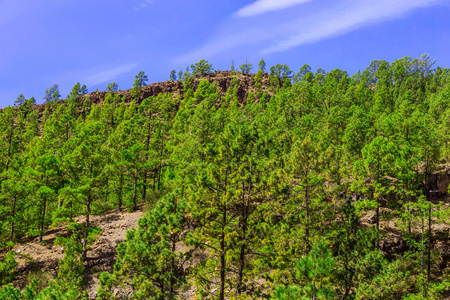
41,259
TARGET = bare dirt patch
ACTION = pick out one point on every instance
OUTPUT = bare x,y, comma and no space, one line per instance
33,256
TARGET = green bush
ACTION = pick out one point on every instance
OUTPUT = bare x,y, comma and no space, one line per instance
7,268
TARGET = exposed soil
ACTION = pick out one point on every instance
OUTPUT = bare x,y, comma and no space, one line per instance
35,257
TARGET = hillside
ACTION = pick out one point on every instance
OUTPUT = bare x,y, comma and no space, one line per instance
274,185
223,79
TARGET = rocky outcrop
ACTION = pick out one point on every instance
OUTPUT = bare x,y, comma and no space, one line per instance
442,183
222,78
370,217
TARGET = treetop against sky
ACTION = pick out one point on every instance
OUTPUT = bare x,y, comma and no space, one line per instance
96,42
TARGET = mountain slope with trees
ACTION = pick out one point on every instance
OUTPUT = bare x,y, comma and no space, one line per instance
273,185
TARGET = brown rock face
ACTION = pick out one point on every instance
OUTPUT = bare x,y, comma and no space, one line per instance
155,89
442,183
370,217
222,78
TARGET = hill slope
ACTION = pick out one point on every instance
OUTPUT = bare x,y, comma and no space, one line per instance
256,185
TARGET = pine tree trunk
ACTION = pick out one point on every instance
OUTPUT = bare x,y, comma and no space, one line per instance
147,148
88,211
313,296
409,227
144,186
172,266
423,229
241,264
429,243
11,234
243,240
307,214
135,193
223,263
377,243
41,229
160,164
120,192
159,174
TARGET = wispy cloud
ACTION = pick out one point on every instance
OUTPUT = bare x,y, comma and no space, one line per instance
142,5
263,6
107,74
224,42
354,15
300,25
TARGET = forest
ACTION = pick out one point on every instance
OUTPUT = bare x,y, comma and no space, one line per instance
278,184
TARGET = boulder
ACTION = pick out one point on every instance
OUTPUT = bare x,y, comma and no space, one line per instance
370,217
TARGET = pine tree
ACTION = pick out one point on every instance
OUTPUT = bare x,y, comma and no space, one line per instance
376,167
150,255
85,162
262,66
52,94
314,271
246,67
173,75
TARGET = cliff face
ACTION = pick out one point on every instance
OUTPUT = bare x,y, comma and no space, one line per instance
224,81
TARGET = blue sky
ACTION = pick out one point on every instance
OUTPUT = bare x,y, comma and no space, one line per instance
95,42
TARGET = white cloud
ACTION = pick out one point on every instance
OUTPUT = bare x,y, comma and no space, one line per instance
294,27
104,74
263,6
142,5
350,17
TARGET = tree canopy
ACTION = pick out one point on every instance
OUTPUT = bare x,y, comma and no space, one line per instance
308,185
